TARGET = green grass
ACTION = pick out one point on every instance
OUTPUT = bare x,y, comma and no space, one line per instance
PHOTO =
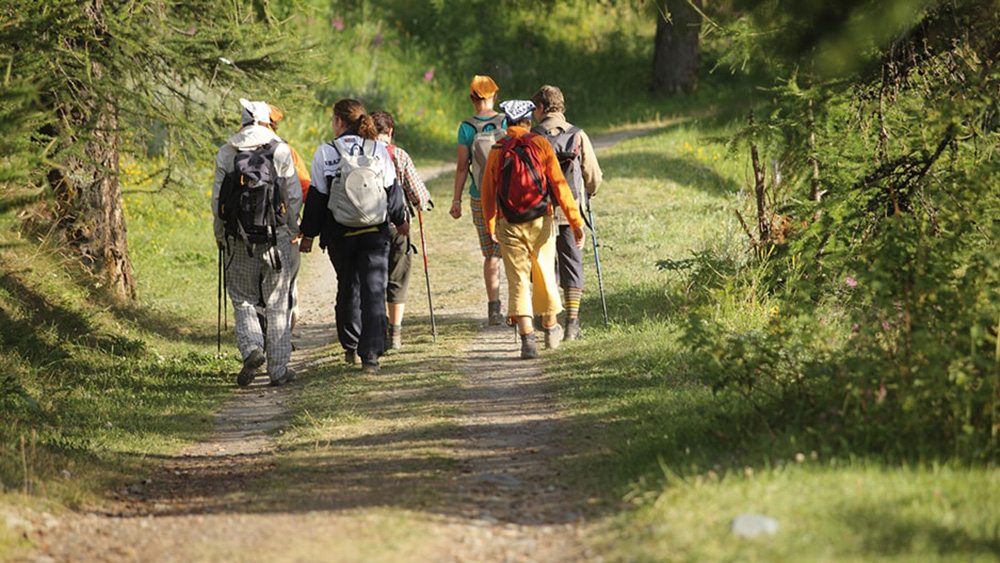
669,462
93,389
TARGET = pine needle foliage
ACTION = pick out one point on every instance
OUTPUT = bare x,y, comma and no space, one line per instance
883,123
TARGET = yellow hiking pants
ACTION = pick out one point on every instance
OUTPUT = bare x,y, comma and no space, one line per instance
529,258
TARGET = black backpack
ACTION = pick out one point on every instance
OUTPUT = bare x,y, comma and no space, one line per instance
251,205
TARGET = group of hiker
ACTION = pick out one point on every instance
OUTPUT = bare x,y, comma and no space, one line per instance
526,191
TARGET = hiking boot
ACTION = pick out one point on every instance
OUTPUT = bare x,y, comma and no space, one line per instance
495,317
369,368
573,329
553,336
395,337
529,346
351,357
254,360
287,378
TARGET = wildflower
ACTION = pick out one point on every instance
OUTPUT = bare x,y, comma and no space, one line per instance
338,24
429,75
882,392
885,325
377,40
851,282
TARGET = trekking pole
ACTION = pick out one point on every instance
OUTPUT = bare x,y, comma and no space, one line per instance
597,258
427,275
218,323
225,295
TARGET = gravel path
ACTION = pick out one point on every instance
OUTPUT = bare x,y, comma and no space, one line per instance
505,501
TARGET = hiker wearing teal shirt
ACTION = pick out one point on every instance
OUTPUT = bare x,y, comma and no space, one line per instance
476,136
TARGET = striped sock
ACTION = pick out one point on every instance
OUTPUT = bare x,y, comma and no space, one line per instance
572,303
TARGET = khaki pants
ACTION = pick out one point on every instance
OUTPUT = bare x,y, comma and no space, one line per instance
529,258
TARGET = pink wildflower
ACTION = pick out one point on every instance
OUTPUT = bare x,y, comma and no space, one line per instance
338,24
429,75
851,282
882,392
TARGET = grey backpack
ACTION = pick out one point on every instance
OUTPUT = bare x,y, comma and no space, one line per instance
488,132
357,191
567,145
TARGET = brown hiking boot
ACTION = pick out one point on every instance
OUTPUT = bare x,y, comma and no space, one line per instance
529,346
494,315
395,337
351,357
553,336
251,363
573,329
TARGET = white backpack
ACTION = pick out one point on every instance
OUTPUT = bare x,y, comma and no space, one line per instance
357,192
482,143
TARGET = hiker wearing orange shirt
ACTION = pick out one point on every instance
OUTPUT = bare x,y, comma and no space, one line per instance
520,182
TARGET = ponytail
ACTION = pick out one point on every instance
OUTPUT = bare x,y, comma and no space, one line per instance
366,127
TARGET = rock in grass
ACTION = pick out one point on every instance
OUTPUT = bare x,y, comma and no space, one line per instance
753,525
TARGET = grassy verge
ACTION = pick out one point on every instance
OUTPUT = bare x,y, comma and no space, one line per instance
671,460
91,392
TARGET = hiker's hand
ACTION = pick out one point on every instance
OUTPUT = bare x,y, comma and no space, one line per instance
578,236
297,239
403,229
456,208
306,245
493,237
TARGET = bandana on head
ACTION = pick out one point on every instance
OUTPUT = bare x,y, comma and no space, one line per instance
254,112
517,110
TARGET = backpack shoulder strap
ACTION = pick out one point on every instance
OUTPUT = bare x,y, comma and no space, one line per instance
391,149
480,124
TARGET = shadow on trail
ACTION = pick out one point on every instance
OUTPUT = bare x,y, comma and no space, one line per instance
413,437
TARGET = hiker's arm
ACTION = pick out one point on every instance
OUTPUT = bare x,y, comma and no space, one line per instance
218,227
314,213
461,173
589,167
285,165
560,189
396,208
414,187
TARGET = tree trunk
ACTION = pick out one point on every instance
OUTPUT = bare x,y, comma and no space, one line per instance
675,55
90,210
87,191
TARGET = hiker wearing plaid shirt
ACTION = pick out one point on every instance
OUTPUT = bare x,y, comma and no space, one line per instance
400,255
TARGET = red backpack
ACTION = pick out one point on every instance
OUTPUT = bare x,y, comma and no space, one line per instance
522,185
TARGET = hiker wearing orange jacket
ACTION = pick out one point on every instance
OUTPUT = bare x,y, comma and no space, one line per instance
528,248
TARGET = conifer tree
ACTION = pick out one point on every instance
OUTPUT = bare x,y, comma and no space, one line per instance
81,75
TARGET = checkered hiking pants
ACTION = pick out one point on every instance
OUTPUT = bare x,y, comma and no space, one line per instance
247,277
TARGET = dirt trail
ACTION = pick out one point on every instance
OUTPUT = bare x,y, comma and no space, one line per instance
504,501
